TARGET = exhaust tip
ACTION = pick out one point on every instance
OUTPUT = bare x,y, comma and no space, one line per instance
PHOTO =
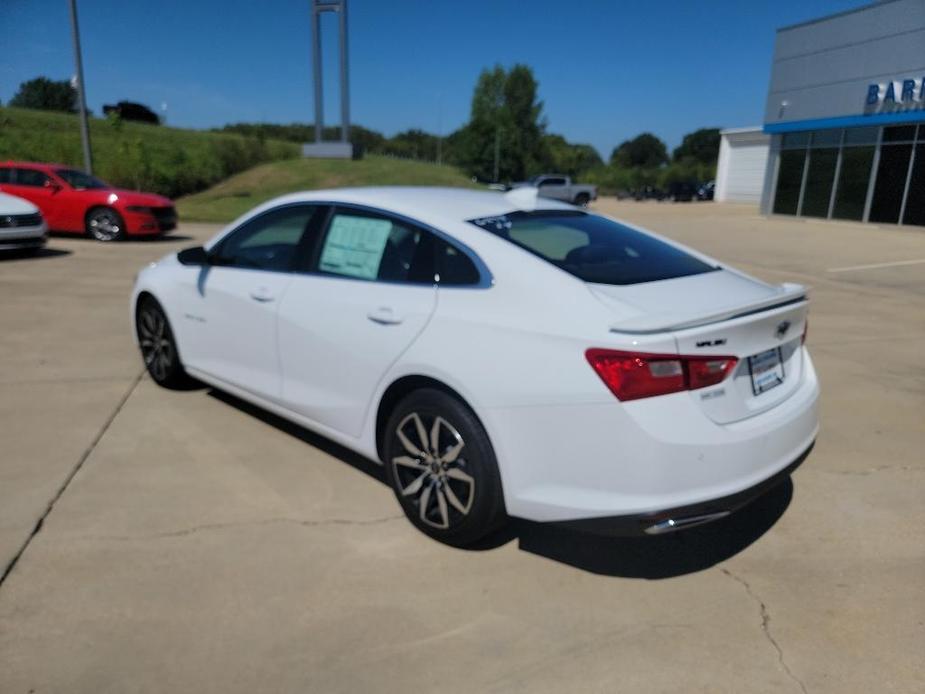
670,525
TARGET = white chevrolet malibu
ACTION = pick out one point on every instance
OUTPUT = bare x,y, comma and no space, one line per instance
500,354
22,227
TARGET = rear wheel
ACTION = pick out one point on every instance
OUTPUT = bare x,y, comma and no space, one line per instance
105,224
442,468
158,346
582,199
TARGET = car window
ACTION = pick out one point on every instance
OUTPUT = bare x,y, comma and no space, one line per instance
268,242
454,267
6,175
552,182
80,180
31,177
369,246
593,248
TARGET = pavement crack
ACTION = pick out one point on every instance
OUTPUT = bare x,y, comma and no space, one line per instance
183,532
766,626
70,477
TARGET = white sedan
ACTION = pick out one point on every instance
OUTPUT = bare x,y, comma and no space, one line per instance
21,225
500,354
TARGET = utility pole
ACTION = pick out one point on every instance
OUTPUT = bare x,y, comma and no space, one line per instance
439,128
81,96
497,152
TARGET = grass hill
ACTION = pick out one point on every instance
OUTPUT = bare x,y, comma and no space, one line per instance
156,158
239,193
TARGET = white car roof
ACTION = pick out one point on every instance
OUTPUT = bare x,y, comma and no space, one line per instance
10,204
430,203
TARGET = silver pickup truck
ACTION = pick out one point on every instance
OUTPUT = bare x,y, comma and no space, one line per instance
560,187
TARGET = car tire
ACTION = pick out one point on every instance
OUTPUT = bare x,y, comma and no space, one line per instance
158,346
105,224
449,488
582,199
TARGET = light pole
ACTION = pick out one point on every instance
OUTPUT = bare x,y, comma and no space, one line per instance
81,96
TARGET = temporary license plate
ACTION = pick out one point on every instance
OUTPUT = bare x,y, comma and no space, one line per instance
767,370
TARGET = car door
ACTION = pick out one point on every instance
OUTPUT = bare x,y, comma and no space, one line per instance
230,306
365,293
554,188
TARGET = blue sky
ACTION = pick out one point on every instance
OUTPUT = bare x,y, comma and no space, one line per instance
608,70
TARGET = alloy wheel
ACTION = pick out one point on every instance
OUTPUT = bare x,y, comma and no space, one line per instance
433,473
156,345
105,225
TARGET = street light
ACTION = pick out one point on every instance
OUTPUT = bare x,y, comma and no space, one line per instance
81,97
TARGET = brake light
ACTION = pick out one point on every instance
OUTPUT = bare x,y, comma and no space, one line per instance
631,376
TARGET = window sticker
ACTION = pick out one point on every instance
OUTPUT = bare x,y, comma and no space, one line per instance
354,246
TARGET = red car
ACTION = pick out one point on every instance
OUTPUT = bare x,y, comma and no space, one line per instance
75,202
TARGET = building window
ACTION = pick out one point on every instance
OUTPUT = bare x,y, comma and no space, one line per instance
829,173
789,181
891,183
853,180
819,178
915,202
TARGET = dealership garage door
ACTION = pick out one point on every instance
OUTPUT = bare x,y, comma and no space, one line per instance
743,158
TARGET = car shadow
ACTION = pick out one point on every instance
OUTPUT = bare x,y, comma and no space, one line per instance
648,557
164,238
354,460
651,557
32,254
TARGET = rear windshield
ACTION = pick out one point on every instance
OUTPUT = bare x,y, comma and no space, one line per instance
592,248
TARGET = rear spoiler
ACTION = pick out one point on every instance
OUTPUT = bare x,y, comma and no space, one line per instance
788,294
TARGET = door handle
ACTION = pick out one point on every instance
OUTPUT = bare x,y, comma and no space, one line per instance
384,316
262,294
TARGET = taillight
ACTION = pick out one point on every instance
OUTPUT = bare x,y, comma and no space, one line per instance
631,376
703,372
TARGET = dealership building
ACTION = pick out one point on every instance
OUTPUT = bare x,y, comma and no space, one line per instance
844,125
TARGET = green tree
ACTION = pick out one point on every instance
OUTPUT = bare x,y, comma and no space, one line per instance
508,116
574,160
643,151
701,145
412,144
47,95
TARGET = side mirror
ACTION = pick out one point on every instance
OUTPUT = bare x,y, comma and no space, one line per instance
51,185
197,255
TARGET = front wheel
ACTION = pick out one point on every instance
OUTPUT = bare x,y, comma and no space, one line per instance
441,466
158,346
105,224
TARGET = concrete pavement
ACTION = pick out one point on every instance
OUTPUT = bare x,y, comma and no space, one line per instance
195,544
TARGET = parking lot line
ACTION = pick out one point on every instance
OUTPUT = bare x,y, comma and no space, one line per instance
873,266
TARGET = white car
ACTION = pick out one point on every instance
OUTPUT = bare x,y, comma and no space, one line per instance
500,354
21,224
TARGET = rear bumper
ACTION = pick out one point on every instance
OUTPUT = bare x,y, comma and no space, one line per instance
609,460
674,519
